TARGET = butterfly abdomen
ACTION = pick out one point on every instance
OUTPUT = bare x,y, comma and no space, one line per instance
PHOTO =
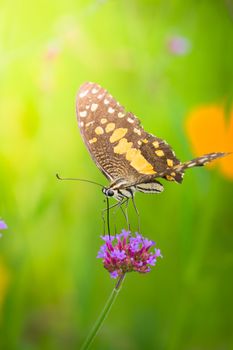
177,172
199,161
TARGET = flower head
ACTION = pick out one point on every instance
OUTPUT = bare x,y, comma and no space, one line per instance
127,252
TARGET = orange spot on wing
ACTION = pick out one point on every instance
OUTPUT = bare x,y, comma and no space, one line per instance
118,134
159,153
134,156
170,162
170,178
138,162
123,146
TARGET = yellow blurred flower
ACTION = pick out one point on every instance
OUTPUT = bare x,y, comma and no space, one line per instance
209,131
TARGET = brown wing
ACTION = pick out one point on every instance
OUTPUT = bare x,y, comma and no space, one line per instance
118,144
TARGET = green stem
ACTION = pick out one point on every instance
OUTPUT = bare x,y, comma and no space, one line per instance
103,314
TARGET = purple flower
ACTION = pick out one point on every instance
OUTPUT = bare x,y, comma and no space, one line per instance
107,238
127,252
102,252
114,274
118,254
3,225
151,261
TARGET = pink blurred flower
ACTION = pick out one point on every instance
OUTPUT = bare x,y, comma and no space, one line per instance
178,45
52,51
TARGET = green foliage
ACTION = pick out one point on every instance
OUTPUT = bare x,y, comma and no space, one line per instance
51,285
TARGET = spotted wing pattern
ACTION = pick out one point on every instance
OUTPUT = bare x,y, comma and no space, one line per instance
118,144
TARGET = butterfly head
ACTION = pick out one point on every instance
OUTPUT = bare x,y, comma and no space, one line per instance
109,192
118,193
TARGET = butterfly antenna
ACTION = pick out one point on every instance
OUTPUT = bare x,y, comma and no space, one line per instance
77,179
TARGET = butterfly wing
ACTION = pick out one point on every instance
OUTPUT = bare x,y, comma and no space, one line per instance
100,121
116,141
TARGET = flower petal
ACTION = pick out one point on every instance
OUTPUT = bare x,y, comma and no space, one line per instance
114,274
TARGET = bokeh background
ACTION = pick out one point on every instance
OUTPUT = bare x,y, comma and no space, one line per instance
169,62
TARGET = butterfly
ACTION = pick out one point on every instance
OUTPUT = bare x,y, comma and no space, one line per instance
130,158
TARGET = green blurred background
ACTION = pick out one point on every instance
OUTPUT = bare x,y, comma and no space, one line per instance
51,286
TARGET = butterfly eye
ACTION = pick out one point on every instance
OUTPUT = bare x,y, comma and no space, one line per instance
108,192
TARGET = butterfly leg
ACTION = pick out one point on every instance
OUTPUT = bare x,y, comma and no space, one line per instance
107,209
103,219
125,213
137,213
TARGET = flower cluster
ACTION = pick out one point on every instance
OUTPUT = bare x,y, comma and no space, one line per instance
126,252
